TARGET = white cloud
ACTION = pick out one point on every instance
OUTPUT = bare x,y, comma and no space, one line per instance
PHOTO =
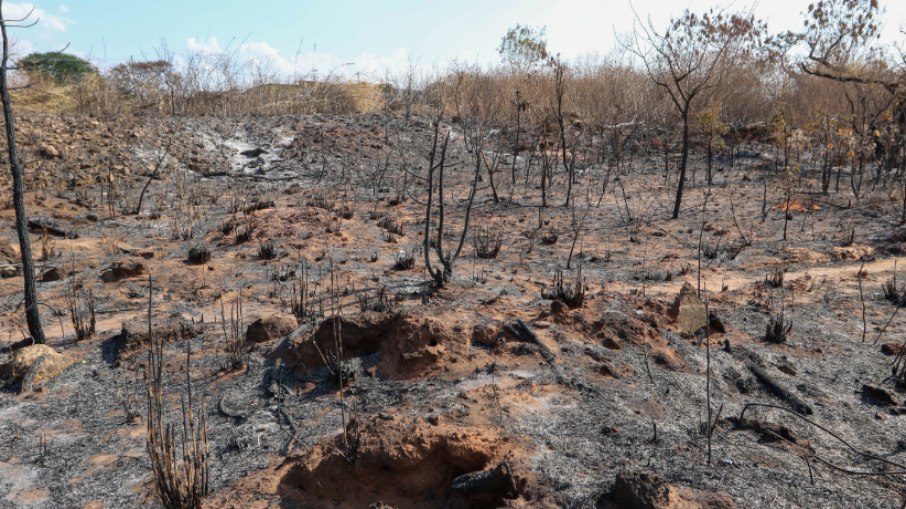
259,58
46,22
209,46
64,8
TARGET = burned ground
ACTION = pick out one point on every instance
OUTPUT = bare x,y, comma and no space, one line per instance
486,373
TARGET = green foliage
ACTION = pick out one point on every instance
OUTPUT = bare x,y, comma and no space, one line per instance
524,47
61,67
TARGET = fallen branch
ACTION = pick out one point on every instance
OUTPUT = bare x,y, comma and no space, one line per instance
780,391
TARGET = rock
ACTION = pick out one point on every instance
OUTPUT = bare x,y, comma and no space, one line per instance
497,482
48,151
117,271
716,325
33,365
639,490
688,310
8,271
48,225
199,255
891,348
270,327
852,252
50,275
879,395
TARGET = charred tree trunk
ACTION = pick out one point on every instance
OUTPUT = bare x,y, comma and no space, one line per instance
32,314
684,160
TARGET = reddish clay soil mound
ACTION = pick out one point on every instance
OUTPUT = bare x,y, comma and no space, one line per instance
617,324
410,345
404,464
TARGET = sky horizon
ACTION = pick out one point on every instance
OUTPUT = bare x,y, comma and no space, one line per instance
357,38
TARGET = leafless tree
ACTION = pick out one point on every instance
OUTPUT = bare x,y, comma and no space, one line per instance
437,163
687,60
568,159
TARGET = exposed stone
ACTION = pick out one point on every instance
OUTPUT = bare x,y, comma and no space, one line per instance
8,271
411,344
199,255
33,365
852,252
891,348
52,274
880,395
117,271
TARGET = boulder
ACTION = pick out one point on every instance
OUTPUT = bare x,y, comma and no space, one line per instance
33,365
199,255
270,327
891,348
854,252
117,271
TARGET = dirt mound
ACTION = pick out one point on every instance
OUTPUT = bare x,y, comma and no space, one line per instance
402,463
409,344
615,328
270,327
133,337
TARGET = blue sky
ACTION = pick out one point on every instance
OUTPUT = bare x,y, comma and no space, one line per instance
353,36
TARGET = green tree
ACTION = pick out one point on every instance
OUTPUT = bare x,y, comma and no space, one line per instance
61,67
524,47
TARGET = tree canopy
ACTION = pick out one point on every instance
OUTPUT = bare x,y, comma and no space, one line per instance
524,47
61,67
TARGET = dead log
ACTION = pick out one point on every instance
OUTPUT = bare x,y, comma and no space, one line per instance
777,389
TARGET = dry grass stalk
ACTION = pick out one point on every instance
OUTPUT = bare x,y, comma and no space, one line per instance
179,462
80,303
